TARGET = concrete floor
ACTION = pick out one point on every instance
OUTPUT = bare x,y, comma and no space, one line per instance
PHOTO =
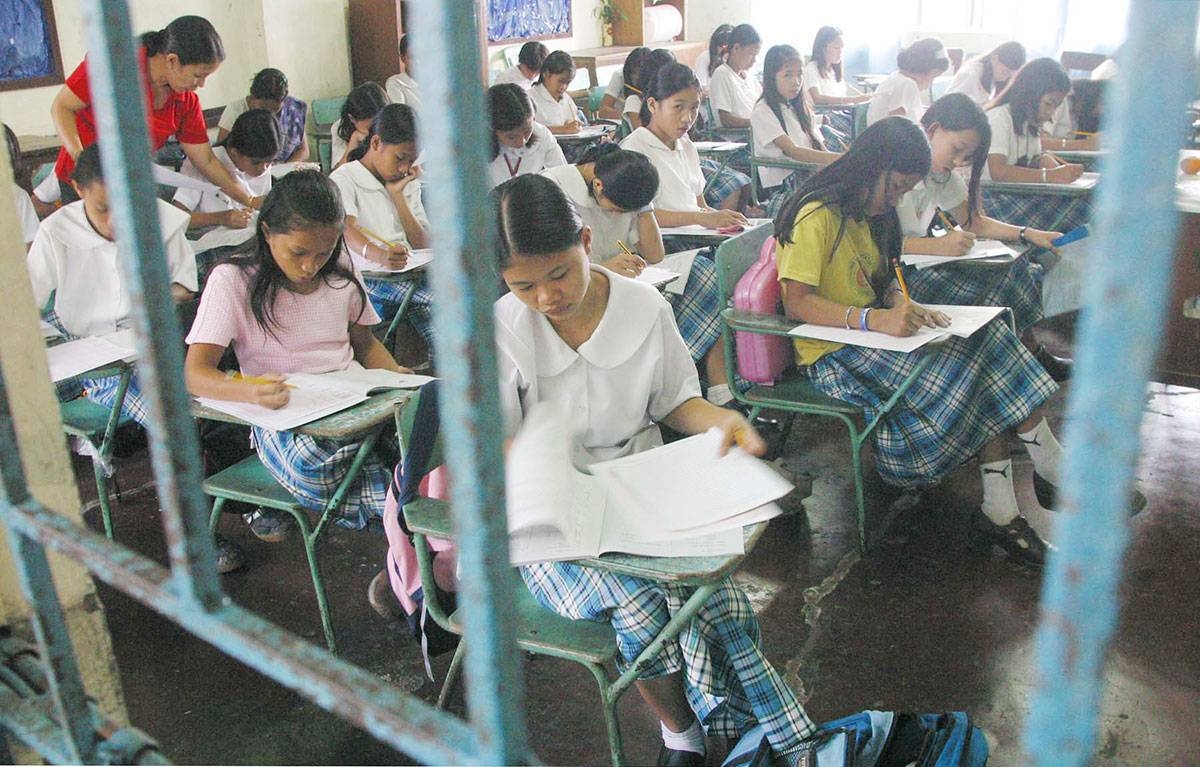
924,622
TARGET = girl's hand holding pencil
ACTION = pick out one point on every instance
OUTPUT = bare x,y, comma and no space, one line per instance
270,390
906,318
393,255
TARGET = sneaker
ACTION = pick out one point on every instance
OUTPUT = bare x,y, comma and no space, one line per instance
1047,495
670,757
269,525
1058,368
381,598
1017,539
229,555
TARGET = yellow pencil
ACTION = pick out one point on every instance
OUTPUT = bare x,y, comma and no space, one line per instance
900,279
372,235
625,248
234,375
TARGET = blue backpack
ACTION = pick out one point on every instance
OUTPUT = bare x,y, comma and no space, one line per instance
879,739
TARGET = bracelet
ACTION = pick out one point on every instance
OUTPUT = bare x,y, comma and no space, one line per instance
1043,175
862,320
1021,234
846,319
1064,143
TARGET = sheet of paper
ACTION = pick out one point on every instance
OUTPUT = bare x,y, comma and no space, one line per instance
124,339
416,259
1087,181
982,249
698,230
167,177
718,146
224,236
681,264
966,320
586,132
720,543
306,404
77,357
657,276
361,381
870,339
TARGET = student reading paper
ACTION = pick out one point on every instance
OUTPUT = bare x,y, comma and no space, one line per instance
570,330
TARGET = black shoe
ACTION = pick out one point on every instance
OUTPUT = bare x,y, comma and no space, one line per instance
1020,542
1047,495
669,757
1058,368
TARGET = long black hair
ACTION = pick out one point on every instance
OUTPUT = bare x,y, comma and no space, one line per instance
892,144
776,59
509,107
670,79
269,84
958,112
532,55
1011,55
364,101
1087,101
556,63
630,180
630,70
1024,93
718,46
654,61
825,36
395,124
302,199
534,217
192,38
255,135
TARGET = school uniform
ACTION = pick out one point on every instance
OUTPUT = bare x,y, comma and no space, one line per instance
1019,288
1062,124
291,118
633,103
841,120
403,89
975,389
337,145
969,80
616,85
631,373
215,201
540,153
765,127
696,309
682,174
549,111
733,92
309,334
368,200
701,69
898,90
515,76
80,268
26,214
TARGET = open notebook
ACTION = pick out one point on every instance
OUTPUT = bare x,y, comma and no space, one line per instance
317,395
964,321
676,500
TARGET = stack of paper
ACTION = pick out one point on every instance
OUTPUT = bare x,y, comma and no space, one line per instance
964,321
718,146
75,358
416,259
983,249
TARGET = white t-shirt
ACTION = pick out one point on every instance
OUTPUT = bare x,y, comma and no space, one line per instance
680,181
701,68
26,214
632,372
402,89
733,93
826,86
215,202
233,110
547,111
1017,149
514,75
898,90
968,81
607,226
337,147
765,128
544,152
916,209
71,260
368,200
616,85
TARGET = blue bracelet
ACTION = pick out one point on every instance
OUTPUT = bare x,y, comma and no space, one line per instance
862,320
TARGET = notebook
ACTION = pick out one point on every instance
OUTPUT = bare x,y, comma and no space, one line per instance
416,259
964,321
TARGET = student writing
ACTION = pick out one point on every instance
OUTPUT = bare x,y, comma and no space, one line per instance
248,152
733,90
1017,116
269,91
552,106
358,112
900,94
520,144
824,75
529,64
983,77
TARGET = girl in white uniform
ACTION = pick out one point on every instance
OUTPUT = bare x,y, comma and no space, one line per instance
900,93
520,144
734,89
552,106
608,346
713,56
26,213
824,78
402,88
983,77
529,64
358,112
622,85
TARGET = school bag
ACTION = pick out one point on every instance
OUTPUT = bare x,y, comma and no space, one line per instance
761,358
879,739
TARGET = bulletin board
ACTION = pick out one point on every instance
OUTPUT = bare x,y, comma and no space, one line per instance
517,20
29,54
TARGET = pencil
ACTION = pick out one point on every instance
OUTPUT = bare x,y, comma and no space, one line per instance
372,235
900,279
234,375
949,227
625,248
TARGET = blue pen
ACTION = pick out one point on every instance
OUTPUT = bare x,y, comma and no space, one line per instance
1077,233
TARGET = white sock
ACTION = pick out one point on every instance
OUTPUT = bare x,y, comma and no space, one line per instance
999,499
691,739
1044,450
719,394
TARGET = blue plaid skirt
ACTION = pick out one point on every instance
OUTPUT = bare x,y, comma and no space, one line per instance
727,181
311,470
697,309
975,389
1018,286
1049,212
729,682
102,391
387,295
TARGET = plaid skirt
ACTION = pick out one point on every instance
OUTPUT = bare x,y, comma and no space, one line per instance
729,682
778,195
720,181
697,310
387,295
103,391
975,389
1049,212
312,468
1019,287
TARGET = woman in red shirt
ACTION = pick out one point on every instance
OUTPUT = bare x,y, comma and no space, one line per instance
174,63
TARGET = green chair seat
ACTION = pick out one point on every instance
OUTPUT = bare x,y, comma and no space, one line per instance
248,481
83,418
798,390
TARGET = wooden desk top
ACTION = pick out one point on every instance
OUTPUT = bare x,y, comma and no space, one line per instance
343,425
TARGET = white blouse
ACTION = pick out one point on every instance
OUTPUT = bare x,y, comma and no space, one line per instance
607,226
733,93
403,89
968,81
26,214
77,265
368,200
898,90
826,86
634,370
544,152
765,128
916,209
547,111
216,201
680,181
1017,149
514,75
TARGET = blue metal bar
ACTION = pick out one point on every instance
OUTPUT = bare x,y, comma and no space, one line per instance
119,103
453,136
1135,228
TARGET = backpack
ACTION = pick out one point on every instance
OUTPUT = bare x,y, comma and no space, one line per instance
879,739
761,358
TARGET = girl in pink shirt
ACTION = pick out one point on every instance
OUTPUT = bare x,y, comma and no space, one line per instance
293,303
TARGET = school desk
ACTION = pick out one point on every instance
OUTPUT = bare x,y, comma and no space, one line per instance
35,152
248,481
414,276
1050,207
725,151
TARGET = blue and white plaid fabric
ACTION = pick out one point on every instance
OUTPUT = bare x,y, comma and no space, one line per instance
780,194
729,682
697,309
1049,212
387,295
311,470
975,389
1018,286
841,128
103,391
727,181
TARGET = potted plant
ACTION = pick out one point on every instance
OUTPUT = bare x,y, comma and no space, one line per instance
608,13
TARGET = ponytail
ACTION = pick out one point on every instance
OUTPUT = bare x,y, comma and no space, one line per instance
191,38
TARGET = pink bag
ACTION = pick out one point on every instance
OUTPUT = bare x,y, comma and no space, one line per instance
761,358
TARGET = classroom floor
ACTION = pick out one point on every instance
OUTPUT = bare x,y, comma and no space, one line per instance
924,622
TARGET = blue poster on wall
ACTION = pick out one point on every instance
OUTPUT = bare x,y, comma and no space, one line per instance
525,19
28,46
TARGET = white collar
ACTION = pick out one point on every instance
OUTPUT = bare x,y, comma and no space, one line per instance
360,176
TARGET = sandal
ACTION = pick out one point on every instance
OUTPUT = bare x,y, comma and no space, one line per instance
381,598
229,555
269,525
1017,539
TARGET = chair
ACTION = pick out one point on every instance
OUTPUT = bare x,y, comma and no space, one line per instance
85,419
595,99
794,392
860,119
248,481
756,162
325,112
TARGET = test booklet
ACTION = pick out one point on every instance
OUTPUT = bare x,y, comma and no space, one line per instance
74,358
316,395
416,259
677,500
669,270
982,249
964,321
